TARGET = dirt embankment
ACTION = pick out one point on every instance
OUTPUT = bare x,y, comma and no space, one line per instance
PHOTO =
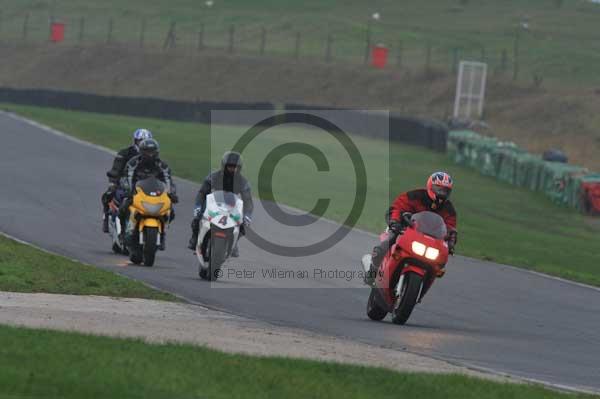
533,117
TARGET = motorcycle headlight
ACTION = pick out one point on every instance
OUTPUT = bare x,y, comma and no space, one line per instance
432,253
418,248
152,209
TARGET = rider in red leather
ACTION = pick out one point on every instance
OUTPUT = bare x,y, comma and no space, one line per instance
433,198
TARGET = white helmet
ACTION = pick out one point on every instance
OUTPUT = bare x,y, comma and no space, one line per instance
140,135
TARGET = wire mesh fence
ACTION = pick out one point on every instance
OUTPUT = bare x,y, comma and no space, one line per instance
342,45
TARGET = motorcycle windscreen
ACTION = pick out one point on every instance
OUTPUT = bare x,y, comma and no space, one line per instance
151,186
225,198
430,224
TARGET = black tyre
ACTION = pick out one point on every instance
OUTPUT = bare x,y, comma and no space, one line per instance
374,311
150,247
218,248
405,304
116,248
202,273
135,254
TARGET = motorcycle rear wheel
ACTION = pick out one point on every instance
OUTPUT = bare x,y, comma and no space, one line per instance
408,299
374,311
116,248
135,254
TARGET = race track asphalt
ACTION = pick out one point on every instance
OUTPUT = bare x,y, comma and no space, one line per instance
481,314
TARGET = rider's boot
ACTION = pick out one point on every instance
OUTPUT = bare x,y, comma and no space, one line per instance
195,225
105,223
193,241
130,234
163,242
376,258
235,252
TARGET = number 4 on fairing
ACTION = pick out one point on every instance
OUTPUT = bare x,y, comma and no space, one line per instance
219,232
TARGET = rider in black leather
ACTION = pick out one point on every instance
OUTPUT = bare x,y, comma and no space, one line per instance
142,166
228,178
118,171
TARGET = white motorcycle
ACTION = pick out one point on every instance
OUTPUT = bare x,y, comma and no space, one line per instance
219,232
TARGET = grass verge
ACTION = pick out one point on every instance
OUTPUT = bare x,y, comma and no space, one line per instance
497,222
27,269
85,364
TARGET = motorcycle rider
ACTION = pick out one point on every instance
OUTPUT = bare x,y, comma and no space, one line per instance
433,198
118,171
140,167
228,178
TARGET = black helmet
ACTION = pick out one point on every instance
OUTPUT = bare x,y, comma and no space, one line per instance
149,149
232,158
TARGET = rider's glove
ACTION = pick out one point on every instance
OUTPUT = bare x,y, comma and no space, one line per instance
198,212
112,187
395,226
247,221
407,219
174,198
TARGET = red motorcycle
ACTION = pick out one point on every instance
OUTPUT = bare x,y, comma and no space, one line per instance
409,268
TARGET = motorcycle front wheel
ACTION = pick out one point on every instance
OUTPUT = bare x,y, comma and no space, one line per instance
218,248
407,300
150,247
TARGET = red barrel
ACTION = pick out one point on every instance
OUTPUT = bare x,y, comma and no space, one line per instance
57,32
379,55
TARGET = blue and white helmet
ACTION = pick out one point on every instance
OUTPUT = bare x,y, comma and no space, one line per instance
141,134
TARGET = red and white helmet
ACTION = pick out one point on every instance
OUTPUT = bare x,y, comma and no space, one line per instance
439,187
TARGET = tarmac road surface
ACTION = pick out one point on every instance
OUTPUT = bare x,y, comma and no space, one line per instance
480,314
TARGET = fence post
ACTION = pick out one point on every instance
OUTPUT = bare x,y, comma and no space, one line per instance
455,59
26,26
201,38
231,38
110,31
428,58
263,40
328,47
297,45
143,33
81,29
399,54
50,23
368,43
516,54
171,38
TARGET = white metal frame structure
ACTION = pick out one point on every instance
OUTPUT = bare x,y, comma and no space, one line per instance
470,89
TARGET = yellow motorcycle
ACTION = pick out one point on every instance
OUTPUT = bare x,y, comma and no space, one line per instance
149,215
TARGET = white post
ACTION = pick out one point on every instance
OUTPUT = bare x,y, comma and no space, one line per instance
458,87
482,91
